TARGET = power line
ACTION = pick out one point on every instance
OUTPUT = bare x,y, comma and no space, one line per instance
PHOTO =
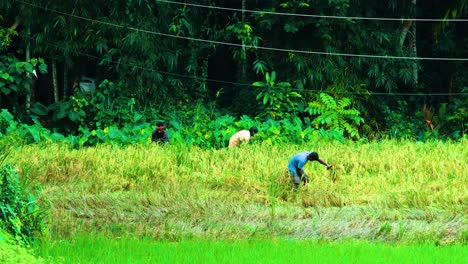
315,16
249,46
144,68
245,84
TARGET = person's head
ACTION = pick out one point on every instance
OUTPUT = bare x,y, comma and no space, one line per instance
253,130
160,127
313,156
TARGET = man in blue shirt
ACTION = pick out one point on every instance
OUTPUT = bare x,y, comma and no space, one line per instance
297,163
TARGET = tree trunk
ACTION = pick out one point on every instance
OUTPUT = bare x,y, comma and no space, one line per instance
450,86
28,58
55,81
409,29
15,25
415,51
404,32
65,82
243,62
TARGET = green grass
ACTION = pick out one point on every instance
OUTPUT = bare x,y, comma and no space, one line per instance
88,249
12,253
379,191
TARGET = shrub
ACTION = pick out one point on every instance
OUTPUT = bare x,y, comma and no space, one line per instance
10,252
21,214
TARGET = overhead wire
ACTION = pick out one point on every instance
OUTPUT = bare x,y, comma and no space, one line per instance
246,84
246,46
214,80
261,12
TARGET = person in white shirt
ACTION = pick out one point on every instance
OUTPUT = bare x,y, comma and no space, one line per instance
242,136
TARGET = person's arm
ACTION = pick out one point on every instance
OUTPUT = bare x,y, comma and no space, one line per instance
324,163
300,169
303,175
300,172
166,137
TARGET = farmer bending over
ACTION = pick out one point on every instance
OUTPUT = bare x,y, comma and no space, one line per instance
297,163
242,136
160,135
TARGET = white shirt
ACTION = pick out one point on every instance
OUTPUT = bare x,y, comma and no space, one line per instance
238,138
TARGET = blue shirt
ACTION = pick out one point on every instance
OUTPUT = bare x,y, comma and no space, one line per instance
298,161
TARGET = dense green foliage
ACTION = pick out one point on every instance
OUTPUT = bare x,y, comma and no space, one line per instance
11,252
198,128
154,60
21,214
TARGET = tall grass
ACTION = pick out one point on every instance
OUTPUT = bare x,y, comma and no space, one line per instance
380,190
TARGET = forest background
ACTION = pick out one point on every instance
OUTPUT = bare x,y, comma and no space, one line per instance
296,69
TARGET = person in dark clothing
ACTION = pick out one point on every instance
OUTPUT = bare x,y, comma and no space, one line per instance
160,135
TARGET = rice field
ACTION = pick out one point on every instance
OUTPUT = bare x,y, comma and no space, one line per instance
86,249
383,194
